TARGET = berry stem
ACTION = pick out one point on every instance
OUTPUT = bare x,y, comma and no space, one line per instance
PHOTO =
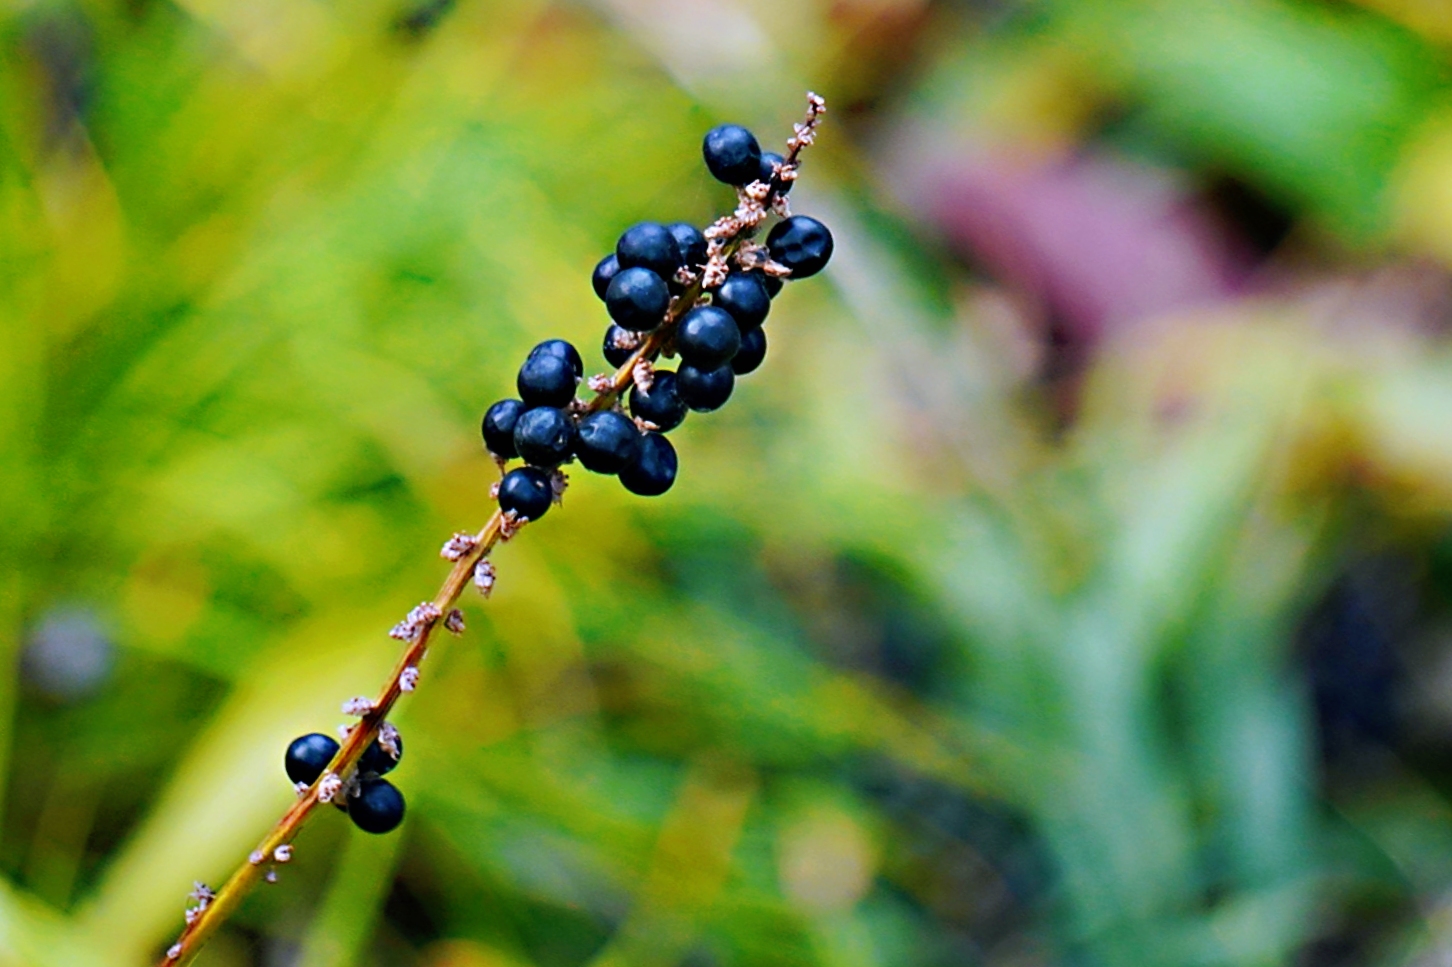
209,917
286,829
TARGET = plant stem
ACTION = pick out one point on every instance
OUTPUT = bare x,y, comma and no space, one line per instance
219,907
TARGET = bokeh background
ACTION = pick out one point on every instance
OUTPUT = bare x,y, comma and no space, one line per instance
1072,586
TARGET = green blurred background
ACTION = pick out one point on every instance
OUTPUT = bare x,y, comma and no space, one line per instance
1072,585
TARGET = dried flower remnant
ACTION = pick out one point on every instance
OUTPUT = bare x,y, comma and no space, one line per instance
359,706
408,679
454,621
416,621
388,740
328,786
484,577
456,547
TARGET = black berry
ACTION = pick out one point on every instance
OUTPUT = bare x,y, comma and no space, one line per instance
616,354
527,492
607,441
498,427
690,241
771,283
377,760
378,807
637,299
546,380
308,756
704,390
653,470
732,154
800,243
564,350
649,245
544,436
604,271
745,297
708,337
751,353
660,404
769,160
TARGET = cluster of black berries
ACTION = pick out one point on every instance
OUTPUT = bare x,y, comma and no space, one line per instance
373,803
716,343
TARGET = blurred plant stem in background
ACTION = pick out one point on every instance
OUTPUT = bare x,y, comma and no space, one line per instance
1071,587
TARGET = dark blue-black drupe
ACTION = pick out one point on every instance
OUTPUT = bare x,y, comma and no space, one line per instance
691,242
498,427
707,337
308,756
653,470
564,350
544,436
751,353
546,379
802,244
605,270
732,154
660,404
378,761
527,492
704,390
637,299
744,295
606,441
649,245
378,807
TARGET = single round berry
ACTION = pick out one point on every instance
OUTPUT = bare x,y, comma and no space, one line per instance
605,270
544,436
607,441
708,337
378,807
498,427
564,350
377,760
660,404
769,161
653,470
773,284
745,297
637,299
800,243
649,245
546,380
690,241
704,390
732,154
527,492
308,756
616,345
751,353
